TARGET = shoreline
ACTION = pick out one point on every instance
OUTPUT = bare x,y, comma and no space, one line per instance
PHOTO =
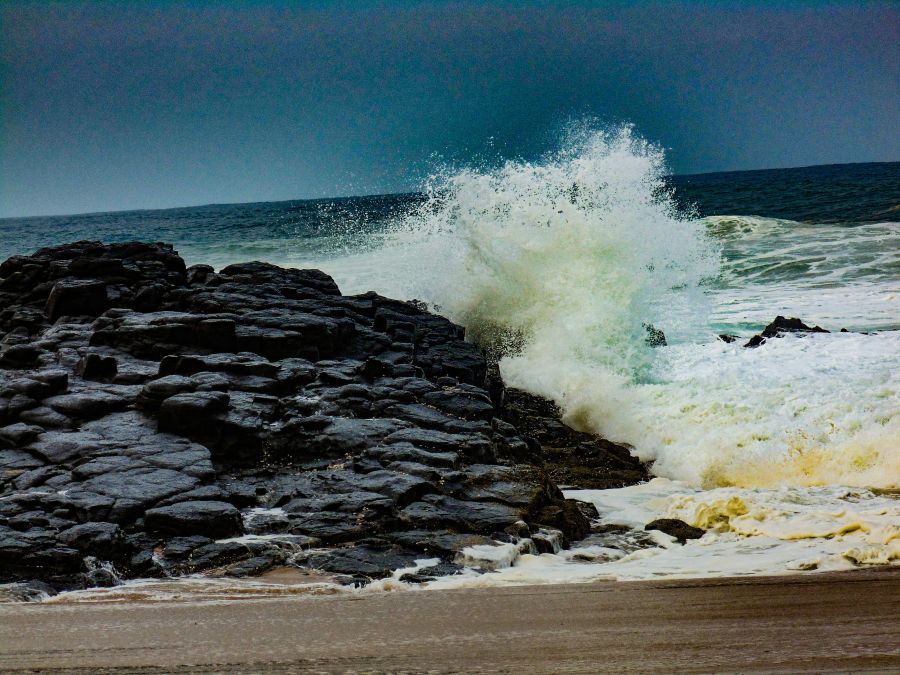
789,623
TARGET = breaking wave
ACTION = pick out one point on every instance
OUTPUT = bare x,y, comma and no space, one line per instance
560,264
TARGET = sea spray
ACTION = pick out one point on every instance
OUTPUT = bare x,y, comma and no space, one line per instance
560,264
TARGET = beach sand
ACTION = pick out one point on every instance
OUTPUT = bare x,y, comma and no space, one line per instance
811,623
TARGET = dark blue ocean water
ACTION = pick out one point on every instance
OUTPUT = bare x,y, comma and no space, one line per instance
297,229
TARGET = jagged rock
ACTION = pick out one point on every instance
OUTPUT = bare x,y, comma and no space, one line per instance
18,435
440,543
19,356
425,574
437,511
87,404
779,327
191,413
655,337
571,458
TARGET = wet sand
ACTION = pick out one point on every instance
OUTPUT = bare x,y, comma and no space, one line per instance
826,622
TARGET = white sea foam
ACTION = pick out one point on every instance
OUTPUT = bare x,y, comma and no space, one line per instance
751,532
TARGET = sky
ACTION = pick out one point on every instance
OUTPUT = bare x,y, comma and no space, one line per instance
122,105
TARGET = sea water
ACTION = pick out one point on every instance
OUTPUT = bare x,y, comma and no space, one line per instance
788,453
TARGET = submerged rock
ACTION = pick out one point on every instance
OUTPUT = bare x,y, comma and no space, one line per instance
655,337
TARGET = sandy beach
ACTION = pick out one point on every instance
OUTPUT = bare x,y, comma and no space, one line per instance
826,622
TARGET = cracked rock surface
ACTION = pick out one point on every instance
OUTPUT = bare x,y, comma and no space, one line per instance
152,416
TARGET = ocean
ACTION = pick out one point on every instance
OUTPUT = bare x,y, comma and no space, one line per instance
788,453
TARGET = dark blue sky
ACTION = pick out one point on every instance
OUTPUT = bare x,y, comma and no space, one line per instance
116,105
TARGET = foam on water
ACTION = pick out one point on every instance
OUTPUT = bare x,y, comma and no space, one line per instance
843,275
751,532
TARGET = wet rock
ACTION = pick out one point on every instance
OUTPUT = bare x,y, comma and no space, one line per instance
370,560
158,408
439,543
180,548
548,540
676,528
571,458
198,274
256,565
655,337
463,403
156,391
333,526
36,553
27,387
217,554
400,487
19,356
406,452
18,435
780,326
28,591
87,404
331,437
426,574
473,447
103,540
438,511
47,418
564,515
211,518
190,413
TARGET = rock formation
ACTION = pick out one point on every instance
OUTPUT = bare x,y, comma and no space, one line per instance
152,415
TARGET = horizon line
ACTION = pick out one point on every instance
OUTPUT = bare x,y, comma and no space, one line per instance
374,195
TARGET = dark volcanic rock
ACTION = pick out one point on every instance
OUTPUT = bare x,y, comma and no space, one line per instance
779,327
148,410
368,560
676,528
655,337
214,519
572,458
74,297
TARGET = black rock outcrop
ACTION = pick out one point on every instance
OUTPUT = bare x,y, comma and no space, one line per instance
152,414
674,527
781,326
